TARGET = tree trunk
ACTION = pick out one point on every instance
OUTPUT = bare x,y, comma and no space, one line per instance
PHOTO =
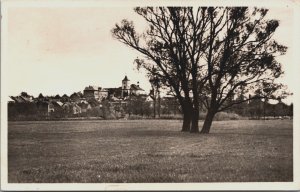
186,123
158,110
187,116
195,120
264,111
208,121
154,108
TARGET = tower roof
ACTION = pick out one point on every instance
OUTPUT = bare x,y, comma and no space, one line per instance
91,88
125,78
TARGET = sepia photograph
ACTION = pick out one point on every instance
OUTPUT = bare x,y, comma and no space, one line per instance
133,95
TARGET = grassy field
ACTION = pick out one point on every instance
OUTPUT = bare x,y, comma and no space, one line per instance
149,151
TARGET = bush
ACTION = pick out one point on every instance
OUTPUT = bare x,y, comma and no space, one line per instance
136,117
171,116
223,116
94,112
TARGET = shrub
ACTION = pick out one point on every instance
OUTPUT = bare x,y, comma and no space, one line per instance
223,116
136,117
170,116
95,112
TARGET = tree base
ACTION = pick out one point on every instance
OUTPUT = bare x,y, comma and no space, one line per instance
184,130
204,132
194,131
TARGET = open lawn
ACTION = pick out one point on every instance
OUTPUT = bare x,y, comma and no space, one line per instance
149,151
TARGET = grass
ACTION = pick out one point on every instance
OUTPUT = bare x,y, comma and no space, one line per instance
149,151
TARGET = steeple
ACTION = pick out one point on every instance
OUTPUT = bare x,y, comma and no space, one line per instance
125,87
125,78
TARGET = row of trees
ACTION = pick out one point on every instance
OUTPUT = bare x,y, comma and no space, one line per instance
205,56
169,108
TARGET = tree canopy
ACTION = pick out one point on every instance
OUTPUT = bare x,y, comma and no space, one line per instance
240,56
205,55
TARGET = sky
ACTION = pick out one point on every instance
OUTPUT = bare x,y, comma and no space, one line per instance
63,50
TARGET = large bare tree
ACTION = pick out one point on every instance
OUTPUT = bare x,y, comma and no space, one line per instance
172,47
206,56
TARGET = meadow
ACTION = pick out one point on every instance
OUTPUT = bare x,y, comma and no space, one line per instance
147,151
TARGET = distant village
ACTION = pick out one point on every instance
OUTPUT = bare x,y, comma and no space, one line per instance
127,101
94,101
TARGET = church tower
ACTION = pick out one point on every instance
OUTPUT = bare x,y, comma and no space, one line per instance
125,87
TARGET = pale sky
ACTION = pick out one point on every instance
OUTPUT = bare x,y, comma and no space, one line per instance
62,50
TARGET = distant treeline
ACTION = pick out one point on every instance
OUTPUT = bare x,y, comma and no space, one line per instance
136,108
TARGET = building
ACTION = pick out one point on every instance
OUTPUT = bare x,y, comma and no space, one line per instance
123,92
128,90
71,108
22,99
125,87
136,90
103,93
95,92
91,92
